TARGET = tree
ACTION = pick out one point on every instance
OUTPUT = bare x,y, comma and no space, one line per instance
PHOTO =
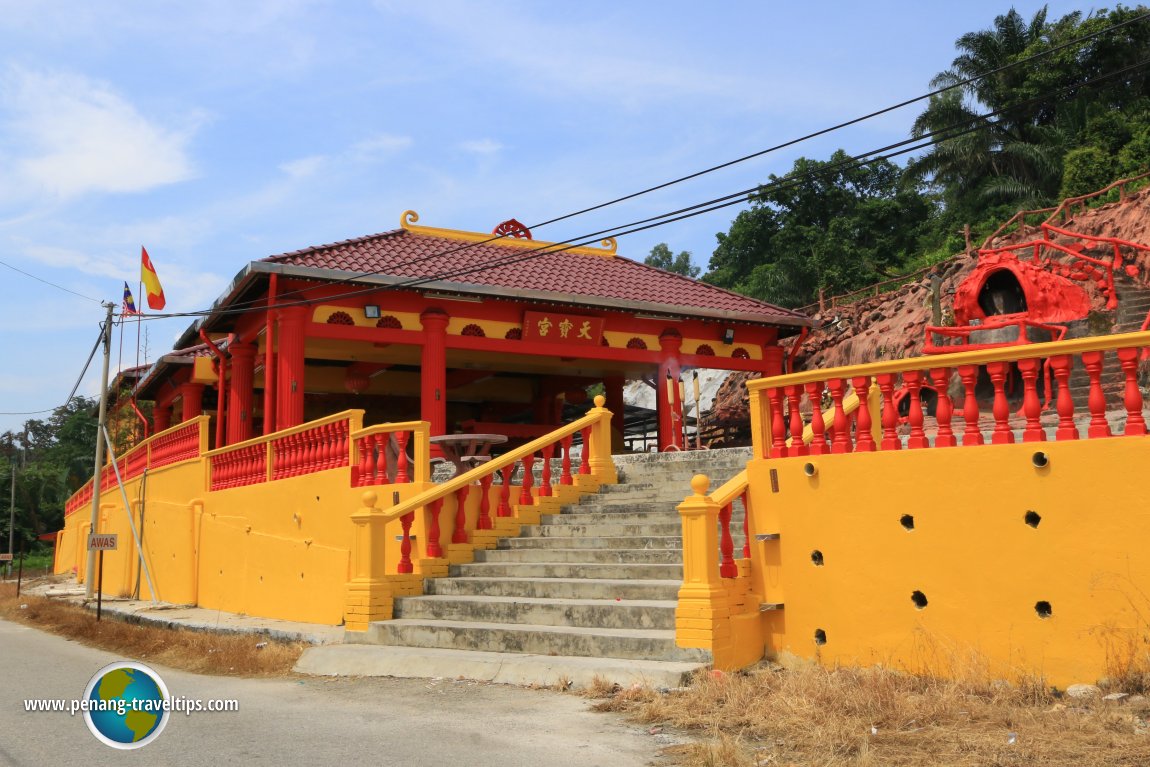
834,225
681,264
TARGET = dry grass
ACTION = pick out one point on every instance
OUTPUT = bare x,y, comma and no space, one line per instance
198,651
808,715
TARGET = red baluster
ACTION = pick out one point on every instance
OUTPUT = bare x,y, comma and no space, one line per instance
890,440
1099,427
1132,398
565,474
912,379
818,428
727,567
841,443
864,440
505,491
525,498
971,434
343,453
545,484
434,550
943,410
797,446
460,533
778,425
585,458
405,565
384,458
1002,434
401,462
484,522
1066,428
1031,405
746,527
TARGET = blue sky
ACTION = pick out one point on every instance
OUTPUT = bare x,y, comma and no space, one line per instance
218,132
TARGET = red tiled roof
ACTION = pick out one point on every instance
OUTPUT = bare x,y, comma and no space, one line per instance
565,275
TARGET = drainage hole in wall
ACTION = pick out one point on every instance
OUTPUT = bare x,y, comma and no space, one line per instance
907,521
820,637
817,558
1032,518
919,599
1043,609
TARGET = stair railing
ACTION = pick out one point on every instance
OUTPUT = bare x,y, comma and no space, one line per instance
771,420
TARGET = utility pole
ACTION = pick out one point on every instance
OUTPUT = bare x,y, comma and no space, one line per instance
90,572
12,512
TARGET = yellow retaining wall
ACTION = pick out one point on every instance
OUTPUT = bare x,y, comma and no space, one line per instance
981,568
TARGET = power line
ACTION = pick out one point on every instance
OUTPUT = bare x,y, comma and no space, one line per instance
47,282
760,153
75,386
973,124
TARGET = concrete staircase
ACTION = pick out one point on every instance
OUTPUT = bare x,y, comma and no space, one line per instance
590,592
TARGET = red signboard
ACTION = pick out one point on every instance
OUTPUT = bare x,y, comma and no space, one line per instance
560,327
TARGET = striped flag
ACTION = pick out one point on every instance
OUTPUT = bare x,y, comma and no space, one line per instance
153,291
129,301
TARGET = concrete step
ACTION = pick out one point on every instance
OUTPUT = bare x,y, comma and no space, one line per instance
611,518
594,541
627,507
582,556
497,667
640,571
642,644
670,527
587,613
555,588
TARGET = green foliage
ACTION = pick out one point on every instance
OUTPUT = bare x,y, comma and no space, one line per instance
1060,125
1087,169
662,258
53,458
828,225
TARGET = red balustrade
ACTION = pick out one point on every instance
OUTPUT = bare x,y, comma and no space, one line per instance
505,490
382,457
525,498
459,535
484,522
405,565
545,479
727,566
746,525
1026,386
173,447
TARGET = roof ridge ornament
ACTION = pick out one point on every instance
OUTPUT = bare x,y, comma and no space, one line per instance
516,236
512,228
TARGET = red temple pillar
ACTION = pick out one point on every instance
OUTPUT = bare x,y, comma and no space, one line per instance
433,370
773,360
161,417
668,403
290,371
192,395
613,388
243,364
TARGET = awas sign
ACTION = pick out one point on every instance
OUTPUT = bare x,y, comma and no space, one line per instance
102,542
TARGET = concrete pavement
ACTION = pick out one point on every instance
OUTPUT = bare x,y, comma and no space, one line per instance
309,720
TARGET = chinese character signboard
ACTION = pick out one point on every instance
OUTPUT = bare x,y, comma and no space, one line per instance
560,327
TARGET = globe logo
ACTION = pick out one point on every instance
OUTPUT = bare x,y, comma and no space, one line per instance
126,705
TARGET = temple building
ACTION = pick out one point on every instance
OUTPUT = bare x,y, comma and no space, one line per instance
467,331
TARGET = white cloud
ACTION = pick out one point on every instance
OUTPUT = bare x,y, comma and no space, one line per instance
69,135
381,144
304,167
485,146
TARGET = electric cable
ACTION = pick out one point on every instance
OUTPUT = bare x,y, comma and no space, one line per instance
760,153
47,282
977,123
75,386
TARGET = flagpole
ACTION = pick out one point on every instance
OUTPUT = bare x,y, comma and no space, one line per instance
139,323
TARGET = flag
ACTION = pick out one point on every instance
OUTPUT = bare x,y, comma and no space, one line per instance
152,288
129,301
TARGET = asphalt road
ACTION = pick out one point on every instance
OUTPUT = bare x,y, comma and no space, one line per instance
307,720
